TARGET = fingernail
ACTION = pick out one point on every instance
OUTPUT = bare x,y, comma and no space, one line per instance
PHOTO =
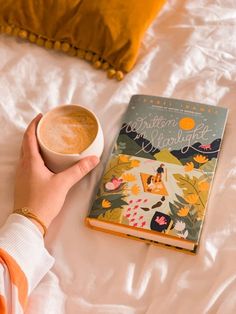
39,116
93,161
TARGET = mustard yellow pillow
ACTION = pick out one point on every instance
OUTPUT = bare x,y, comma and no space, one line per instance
105,32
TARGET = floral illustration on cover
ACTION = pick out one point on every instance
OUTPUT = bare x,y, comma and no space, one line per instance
137,192
161,188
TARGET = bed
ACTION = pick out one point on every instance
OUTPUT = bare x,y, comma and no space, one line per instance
189,52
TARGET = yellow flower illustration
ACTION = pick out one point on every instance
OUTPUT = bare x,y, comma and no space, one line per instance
135,189
124,158
135,163
191,198
189,166
106,203
200,159
129,177
203,186
183,212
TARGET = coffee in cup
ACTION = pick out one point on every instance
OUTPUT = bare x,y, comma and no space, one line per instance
68,130
67,134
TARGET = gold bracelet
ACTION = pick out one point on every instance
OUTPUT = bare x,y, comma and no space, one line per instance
24,211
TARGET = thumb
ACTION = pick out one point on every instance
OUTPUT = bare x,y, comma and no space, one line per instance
76,172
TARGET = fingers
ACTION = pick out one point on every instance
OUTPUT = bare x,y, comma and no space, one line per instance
30,144
75,173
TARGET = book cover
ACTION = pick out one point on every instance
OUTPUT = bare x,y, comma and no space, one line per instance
157,181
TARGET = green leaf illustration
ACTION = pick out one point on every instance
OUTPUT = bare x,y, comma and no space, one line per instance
205,177
209,167
192,234
124,221
195,179
181,199
173,209
109,197
193,211
116,168
94,213
177,204
186,183
191,220
122,145
190,187
116,201
114,215
191,223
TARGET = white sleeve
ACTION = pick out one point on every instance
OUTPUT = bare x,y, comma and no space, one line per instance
22,240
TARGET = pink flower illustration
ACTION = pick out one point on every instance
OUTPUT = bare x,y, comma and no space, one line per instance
116,182
161,220
141,217
143,224
113,184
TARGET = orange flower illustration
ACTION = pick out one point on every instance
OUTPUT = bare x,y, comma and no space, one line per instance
135,189
189,166
106,203
124,158
183,212
192,198
129,177
203,186
135,163
200,159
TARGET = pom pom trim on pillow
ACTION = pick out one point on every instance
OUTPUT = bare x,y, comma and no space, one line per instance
94,59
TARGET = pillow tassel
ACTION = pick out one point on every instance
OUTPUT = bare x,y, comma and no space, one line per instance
88,56
40,41
32,38
81,53
95,59
15,31
97,64
105,66
111,73
7,29
57,45
23,34
72,52
48,44
119,75
65,47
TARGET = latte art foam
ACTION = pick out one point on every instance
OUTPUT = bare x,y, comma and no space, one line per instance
68,131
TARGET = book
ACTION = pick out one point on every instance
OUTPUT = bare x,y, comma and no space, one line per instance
156,184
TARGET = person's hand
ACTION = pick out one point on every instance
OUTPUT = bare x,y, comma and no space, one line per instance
37,187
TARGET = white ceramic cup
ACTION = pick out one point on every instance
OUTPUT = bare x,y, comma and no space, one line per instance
57,162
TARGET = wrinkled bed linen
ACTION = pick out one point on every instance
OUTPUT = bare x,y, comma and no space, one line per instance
189,52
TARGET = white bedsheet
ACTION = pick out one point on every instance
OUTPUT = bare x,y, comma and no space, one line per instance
188,53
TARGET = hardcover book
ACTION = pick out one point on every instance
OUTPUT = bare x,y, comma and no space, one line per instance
157,181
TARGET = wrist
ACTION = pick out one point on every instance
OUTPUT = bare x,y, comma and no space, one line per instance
37,225
27,212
